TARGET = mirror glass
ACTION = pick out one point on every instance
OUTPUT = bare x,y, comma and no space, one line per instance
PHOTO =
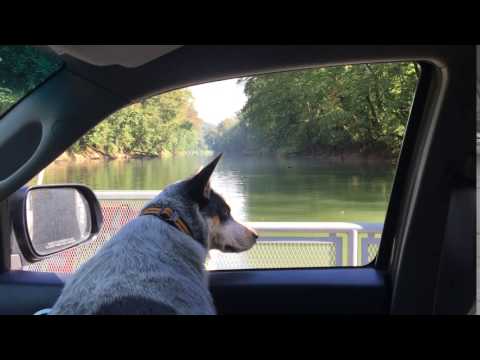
57,218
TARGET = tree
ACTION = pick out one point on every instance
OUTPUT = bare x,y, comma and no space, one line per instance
362,108
22,69
164,123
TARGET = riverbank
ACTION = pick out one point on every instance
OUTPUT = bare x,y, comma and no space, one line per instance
351,157
348,157
92,155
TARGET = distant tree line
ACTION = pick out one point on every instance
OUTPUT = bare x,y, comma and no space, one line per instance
354,108
164,124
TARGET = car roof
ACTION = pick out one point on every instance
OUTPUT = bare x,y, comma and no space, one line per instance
129,56
137,71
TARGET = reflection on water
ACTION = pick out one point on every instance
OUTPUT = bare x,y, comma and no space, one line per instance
258,189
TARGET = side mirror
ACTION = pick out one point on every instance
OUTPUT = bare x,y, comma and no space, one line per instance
48,219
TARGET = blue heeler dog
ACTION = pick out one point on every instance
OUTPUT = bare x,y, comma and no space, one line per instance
155,263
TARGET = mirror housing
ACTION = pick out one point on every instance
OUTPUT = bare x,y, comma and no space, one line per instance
48,219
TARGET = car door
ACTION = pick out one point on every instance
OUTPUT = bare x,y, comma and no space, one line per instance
422,218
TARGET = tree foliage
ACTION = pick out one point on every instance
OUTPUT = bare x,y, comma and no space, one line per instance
22,68
328,110
229,136
164,123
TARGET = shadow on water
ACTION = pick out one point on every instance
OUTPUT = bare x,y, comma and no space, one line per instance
258,189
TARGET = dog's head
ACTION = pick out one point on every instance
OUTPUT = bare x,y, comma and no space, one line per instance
224,232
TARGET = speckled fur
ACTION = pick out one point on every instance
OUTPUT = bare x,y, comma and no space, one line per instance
147,259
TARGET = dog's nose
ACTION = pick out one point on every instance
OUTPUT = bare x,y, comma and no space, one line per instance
254,233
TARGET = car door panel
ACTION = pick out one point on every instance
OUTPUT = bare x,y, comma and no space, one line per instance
306,291
25,292
317,291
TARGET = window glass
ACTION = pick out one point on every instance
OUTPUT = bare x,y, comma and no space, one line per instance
22,69
309,159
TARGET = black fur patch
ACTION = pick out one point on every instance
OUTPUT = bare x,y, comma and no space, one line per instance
217,206
133,305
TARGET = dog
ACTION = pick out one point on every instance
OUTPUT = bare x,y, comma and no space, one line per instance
155,263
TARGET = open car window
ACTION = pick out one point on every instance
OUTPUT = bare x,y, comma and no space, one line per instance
309,161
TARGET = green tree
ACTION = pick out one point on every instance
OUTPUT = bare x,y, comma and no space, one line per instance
22,69
358,108
164,123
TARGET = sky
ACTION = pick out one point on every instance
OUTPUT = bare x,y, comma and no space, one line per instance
218,100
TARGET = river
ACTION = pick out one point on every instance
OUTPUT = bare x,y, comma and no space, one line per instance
257,189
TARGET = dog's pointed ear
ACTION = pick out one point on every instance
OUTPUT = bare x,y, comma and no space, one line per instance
199,184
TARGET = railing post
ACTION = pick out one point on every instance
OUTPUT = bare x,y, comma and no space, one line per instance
338,248
354,247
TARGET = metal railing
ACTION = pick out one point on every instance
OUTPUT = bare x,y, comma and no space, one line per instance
280,245
357,252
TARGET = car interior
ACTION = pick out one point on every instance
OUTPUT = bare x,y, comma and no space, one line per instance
426,261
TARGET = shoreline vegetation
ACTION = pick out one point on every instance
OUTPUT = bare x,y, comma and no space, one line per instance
350,113
92,156
343,113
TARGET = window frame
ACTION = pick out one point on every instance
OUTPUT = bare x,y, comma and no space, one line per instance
401,180
387,240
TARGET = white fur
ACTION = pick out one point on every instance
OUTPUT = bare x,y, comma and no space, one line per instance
230,234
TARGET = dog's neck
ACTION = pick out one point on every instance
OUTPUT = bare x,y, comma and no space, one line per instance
188,212
170,216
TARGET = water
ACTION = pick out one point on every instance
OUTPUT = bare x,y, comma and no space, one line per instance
257,189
